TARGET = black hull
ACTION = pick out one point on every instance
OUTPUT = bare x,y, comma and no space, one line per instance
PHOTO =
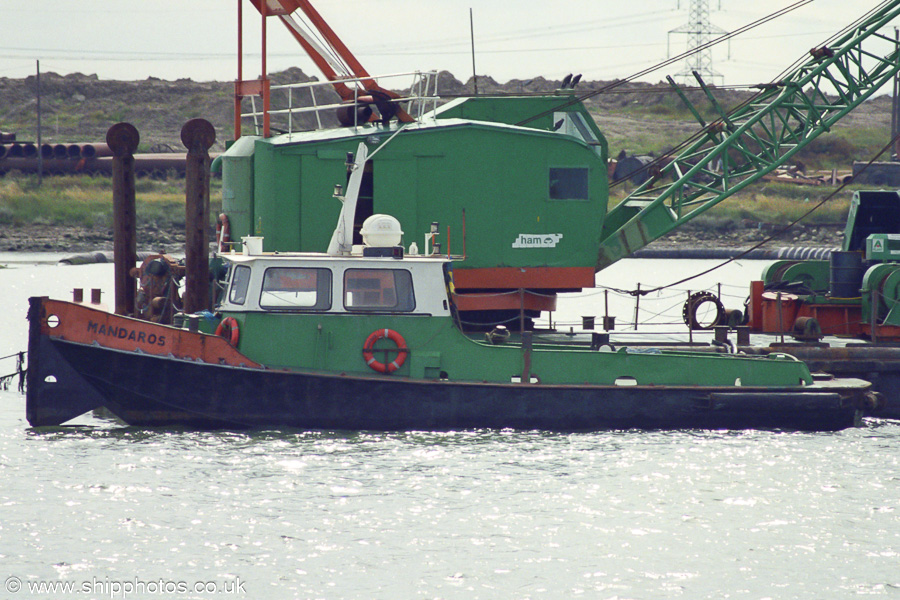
152,391
879,365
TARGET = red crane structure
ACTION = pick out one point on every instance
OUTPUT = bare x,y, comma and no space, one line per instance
327,51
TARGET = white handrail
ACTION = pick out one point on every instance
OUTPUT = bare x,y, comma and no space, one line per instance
422,98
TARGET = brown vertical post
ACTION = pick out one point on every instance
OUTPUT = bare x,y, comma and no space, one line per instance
527,343
637,305
198,135
123,139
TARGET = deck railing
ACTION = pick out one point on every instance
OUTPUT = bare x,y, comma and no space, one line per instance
289,101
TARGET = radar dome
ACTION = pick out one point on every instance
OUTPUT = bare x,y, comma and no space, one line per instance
381,231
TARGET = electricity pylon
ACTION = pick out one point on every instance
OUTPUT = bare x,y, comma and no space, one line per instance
698,29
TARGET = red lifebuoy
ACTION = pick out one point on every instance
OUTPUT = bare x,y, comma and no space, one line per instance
228,329
223,233
368,351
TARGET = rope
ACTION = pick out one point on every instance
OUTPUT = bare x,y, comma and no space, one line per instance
20,371
778,233
669,61
762,88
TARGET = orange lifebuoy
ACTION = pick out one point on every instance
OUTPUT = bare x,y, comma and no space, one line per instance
228,329
223,233
368,351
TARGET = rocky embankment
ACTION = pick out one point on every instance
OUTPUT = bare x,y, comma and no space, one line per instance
55,238
51,238
749,234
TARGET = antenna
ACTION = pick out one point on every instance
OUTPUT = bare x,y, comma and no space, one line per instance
698,29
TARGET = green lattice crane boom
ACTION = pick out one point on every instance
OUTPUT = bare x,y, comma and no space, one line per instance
741,147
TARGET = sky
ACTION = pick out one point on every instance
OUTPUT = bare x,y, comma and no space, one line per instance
514,39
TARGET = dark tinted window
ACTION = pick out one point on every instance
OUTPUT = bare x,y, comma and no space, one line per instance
568,183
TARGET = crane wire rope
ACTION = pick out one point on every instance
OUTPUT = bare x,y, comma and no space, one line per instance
762,87
315,34
776,234
669,61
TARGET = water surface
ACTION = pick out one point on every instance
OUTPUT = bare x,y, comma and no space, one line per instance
467,515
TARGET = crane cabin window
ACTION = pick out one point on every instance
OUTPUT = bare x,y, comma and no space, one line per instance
286,288
568,183
574,124
388,290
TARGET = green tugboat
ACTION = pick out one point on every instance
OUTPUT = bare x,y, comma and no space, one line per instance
371,341
509,199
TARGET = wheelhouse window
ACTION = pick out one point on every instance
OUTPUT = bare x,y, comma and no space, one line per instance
240,280
378,290
568,183
296,288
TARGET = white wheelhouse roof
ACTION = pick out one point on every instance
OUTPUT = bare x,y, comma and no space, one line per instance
427,274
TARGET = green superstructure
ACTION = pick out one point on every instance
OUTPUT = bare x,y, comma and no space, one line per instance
514,196
517,185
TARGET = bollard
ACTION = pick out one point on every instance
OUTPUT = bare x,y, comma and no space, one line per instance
123,139
598,340
720,333
198,135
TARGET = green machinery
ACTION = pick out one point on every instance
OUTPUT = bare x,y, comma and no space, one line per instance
518,186
861,281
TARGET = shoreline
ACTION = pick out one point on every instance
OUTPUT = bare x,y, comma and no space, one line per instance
38,237
55,238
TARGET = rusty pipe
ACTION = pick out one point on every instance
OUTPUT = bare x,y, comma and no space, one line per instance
46,151
95,150
30,165
60,151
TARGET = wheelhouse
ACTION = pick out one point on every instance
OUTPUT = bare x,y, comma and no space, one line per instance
307,283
